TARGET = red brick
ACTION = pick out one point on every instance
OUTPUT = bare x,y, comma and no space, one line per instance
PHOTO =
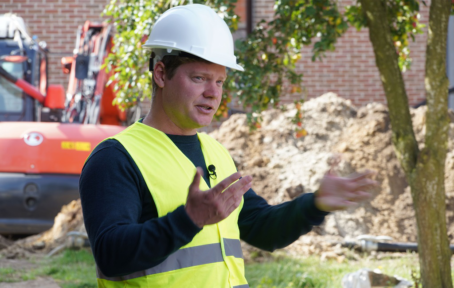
350,70
59,6
10,6
95,6
34,21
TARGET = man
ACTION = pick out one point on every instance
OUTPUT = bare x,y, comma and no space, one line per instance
153,218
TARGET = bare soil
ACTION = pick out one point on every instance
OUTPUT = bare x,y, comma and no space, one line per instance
38,283
69,219
22,265
284,167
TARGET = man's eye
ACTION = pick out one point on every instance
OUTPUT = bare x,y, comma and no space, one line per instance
199,78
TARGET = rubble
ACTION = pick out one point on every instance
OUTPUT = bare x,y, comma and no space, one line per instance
365,278
283,167
69,219
5,243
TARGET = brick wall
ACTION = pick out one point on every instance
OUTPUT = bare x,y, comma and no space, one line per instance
350,70
56,22
241,11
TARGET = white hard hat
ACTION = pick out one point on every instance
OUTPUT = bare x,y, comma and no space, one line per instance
195,29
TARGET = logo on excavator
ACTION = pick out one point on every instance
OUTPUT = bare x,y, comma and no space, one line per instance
33,139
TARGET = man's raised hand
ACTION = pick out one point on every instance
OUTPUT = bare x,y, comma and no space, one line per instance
212,206
338,193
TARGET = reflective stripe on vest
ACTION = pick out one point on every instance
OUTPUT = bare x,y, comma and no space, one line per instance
188,257
213,258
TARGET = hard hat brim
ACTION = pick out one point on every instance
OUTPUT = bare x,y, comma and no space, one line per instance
233,66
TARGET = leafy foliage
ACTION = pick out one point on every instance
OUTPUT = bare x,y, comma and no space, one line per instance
271,51
403,20
132,21
268,54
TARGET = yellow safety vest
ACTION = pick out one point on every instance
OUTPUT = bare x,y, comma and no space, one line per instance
213,258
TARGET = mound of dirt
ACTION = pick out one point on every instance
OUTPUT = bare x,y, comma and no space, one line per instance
284,167
5,243
366,143
69,219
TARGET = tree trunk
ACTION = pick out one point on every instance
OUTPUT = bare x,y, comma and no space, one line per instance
424,169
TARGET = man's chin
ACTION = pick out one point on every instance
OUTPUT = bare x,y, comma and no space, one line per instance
203,124
203,121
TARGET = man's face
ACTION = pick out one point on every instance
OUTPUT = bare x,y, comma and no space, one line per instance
193,95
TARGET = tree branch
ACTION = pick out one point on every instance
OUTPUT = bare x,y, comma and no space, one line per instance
387,62
436,81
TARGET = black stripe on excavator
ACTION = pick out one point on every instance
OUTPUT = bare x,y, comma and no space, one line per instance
7,75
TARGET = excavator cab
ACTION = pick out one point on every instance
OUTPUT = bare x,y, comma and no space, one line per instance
24,64
90,94
45,136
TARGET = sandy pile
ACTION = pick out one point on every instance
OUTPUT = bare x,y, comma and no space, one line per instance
284,167
69,219
4,242
366,143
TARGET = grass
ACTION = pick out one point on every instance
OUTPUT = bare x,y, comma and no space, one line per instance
7,275
71,269
76,269
311,272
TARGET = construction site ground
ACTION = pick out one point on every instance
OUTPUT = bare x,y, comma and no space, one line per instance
340,136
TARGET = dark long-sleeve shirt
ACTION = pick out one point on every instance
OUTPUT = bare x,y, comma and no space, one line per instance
122,222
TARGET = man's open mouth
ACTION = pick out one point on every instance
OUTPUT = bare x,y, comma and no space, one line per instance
205,107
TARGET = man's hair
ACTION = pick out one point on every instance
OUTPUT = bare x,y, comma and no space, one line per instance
171,64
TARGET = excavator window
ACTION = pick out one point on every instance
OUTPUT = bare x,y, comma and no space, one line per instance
11,97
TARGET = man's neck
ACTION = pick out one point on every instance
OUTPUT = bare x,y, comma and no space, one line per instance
159,120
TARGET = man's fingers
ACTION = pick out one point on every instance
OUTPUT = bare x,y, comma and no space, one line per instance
358,196
238,188
231,198
348,204
233,195
365,184
225,183
232,203
196,182
360,176
363,195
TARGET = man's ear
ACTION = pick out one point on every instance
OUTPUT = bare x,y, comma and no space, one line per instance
159,74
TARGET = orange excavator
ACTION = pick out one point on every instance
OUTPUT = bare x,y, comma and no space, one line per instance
45,135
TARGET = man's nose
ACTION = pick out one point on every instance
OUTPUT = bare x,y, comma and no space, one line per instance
212,89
